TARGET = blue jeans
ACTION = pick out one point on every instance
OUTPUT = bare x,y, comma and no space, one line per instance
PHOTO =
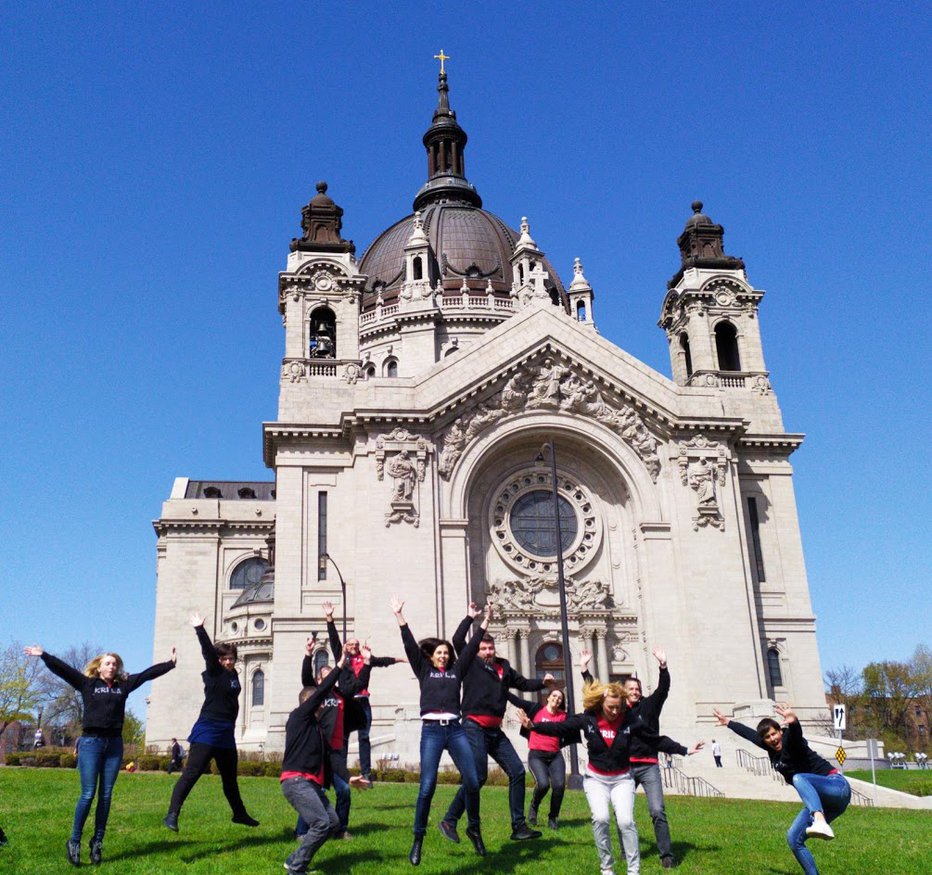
99,761
312,806
829,794
435,739
493,743
647,775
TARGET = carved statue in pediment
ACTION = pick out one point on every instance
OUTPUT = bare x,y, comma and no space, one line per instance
702,463
549,386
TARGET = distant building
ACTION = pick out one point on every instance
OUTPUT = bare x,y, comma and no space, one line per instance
417,387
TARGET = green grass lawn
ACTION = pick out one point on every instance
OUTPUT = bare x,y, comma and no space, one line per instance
917,782
710,836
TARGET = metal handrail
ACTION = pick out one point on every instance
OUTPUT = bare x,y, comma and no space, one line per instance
757,765
859,798
675,779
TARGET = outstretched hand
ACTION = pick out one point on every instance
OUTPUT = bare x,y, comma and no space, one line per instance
721,719
695,748
473,610
489,611
366,654
174,657
358,782
786,711
310,644
397,605
33,650
197,620
525,719
585,657
328,610
660,655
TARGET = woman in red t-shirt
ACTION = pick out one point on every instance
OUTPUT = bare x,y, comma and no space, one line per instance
546,761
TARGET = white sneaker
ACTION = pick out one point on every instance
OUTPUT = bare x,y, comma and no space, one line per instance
608,871
820,830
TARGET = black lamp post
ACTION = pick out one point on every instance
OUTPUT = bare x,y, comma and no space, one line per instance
575,779
322,565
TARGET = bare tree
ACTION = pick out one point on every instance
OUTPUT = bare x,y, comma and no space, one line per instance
20,691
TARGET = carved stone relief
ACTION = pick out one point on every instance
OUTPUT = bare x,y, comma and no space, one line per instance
550,385
406,467
540,596
702,464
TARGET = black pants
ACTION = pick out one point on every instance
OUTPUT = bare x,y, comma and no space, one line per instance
199,757
549,771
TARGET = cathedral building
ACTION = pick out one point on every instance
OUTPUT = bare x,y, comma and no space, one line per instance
428,392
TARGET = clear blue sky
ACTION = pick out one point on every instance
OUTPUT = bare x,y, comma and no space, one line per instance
155,158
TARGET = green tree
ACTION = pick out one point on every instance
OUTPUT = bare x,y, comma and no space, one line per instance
134,730
20,691
890,689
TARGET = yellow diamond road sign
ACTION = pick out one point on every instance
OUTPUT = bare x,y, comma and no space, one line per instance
841,756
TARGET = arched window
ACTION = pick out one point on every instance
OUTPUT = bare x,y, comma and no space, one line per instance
248,573
687,355
450,350
390,368
726,345
321,659
369,371
258,688
773,667
322,334
418,268
549,658
580,311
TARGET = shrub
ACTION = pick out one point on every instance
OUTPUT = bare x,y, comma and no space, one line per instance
48,759
151,763
68,760
13,758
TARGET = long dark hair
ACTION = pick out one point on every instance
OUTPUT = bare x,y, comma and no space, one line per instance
429,645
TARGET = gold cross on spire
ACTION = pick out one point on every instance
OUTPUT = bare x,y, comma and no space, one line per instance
442,57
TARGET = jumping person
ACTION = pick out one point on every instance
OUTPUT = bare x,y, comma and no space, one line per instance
608,733
336,714
211,736
823,789
485,695
305,768
104,687
361,711
440,676
544,757
645,768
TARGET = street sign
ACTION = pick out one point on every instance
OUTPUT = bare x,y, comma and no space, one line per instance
841,756
838,715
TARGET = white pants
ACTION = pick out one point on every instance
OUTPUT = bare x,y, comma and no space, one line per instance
618,790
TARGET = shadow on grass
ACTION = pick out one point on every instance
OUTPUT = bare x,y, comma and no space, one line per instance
190,850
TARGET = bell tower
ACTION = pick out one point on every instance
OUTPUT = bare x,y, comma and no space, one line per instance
710,313
318,297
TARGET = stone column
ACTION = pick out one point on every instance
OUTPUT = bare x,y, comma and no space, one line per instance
527,668
507,638
601,653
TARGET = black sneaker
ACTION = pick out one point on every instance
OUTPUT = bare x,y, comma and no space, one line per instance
244,819
524,832
532,816
73,849
171,820
415,856
668,863
97,851
449,831
553,823
476,838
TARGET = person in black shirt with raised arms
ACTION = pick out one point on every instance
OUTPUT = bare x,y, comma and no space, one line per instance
212,734
440,676
485,696
104,687
823,789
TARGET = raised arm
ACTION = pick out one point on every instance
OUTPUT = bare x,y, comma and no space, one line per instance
412,651
307,664
211,663
562,729
468,654
745,732
69,674
134,681
336,647
310,705
585,658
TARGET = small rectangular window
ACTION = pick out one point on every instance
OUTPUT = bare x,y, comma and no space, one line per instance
321,535
757,556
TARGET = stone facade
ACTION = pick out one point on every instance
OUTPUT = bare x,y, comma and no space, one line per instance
412,410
